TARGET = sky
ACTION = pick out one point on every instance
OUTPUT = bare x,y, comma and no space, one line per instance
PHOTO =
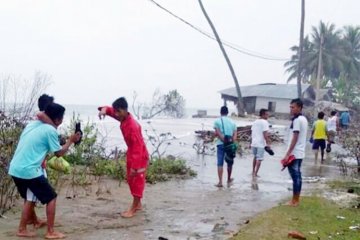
98,50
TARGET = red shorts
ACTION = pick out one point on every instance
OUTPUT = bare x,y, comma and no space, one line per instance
136,183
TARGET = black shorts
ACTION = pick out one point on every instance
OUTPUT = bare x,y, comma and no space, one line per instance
40,187
319,143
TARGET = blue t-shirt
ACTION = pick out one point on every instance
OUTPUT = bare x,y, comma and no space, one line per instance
36,141
345,118
226,125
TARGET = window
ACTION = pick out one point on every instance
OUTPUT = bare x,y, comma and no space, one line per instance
272,106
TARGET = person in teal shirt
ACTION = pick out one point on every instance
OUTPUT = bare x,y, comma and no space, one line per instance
36,141
345,120
226,131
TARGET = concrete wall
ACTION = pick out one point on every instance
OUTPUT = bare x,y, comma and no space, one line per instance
282,105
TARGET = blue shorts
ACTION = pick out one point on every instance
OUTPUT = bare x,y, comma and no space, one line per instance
221,157
258,153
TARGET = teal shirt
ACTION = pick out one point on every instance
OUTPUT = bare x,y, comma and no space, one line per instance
229,127
36,141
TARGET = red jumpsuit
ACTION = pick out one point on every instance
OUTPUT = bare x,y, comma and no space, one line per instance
137,156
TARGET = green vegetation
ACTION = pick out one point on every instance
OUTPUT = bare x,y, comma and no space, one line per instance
340,61
346,186
316,218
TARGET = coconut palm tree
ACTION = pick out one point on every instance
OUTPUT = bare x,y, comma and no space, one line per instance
333,55
351,73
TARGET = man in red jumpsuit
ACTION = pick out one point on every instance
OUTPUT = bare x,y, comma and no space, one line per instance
137,156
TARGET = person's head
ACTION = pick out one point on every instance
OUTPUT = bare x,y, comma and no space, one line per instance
121,108
224,111
264,113
321,115
56,113
333,113
296,106
43,101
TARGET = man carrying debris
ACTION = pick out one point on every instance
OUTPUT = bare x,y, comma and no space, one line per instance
333,127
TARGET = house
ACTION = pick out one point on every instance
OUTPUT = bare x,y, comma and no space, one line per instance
275,97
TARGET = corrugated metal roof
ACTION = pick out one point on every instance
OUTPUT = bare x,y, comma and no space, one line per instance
286,91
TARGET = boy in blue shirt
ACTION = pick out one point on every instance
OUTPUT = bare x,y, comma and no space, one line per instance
226,131
36,141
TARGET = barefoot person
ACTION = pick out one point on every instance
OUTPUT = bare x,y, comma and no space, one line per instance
226,132
333,127
137,156
259,140
43,101
319,136
36,141
297,143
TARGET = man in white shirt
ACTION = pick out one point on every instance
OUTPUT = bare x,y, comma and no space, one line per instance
259,140
333,127
297,144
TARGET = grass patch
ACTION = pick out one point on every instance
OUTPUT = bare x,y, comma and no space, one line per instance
346,185
161,170
313,215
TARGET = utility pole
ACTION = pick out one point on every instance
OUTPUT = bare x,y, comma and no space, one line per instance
301,43
240,103
319,74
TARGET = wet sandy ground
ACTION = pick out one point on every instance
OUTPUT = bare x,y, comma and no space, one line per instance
179,209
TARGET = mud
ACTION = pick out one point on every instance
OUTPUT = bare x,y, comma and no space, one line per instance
179,209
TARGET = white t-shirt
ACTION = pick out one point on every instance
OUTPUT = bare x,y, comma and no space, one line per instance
300,125
257,133
331,123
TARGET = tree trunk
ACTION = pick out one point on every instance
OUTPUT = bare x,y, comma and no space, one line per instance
319,75
301,49
240,103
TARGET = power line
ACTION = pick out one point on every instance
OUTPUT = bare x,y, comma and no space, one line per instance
225,43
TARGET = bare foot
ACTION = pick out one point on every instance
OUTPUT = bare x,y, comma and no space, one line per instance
139,207
292,204
55,235
231,180
128,214
26,234
219,185
40,224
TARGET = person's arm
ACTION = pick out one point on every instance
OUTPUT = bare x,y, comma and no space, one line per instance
219,134
267,138
235,134
107,111
136,152
296,131
73,139
292,144
45,119
337,124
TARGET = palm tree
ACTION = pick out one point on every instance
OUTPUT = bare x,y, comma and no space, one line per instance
351,74
333,55
240,103
292,66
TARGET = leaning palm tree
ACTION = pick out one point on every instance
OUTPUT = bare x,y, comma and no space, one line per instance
240,103
300,49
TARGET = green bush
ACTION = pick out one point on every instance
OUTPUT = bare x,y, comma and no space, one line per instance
161,170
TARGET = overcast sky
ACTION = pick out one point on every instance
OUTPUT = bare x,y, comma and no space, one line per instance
96,51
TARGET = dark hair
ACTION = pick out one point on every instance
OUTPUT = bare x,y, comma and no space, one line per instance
333,113
321,115
298,102
224,111
120,103
44,101
263,111
55,111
